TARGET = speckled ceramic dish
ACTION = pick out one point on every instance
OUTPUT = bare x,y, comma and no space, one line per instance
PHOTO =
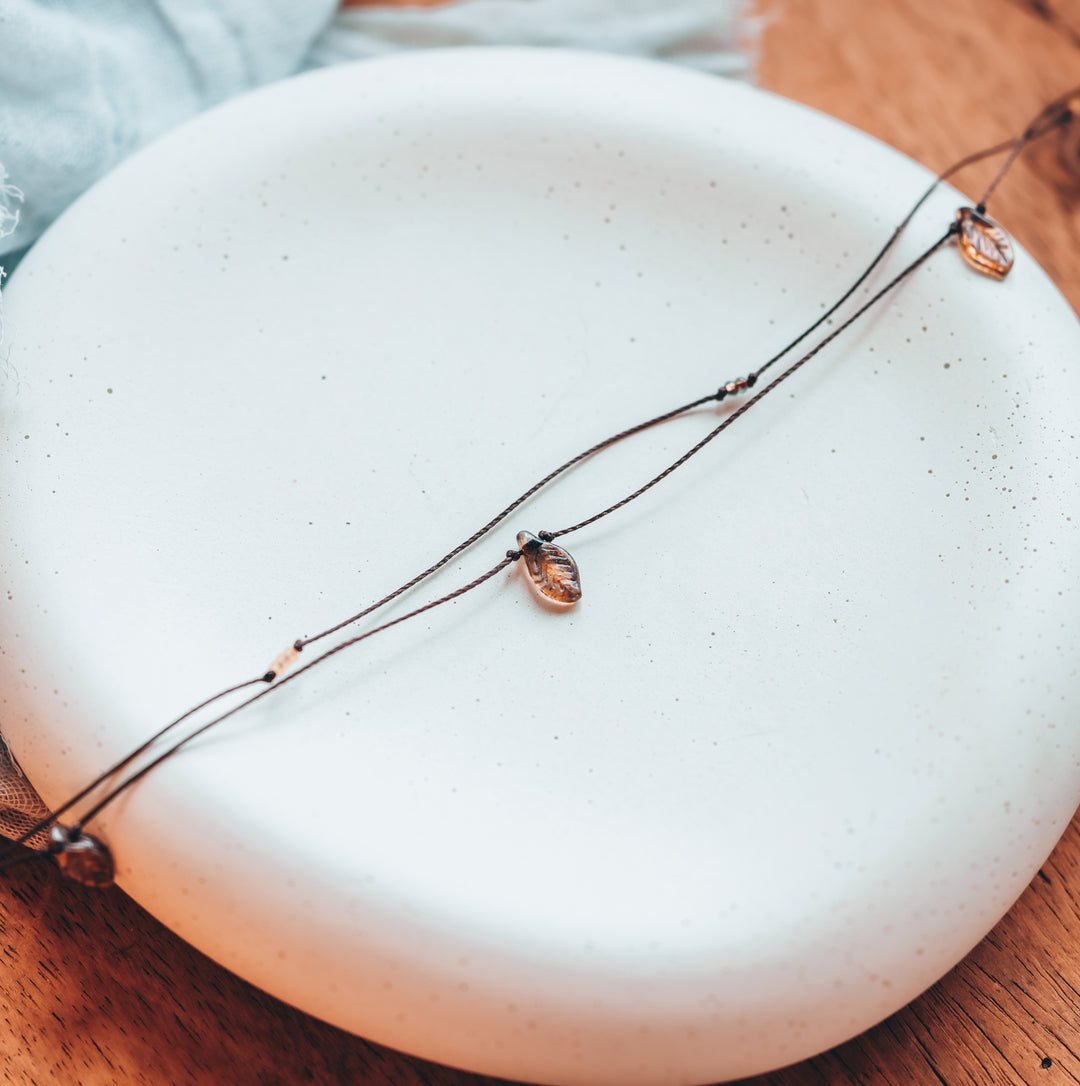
812,726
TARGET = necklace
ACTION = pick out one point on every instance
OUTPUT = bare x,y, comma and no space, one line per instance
552,571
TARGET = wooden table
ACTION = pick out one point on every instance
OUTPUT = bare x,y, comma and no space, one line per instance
94,991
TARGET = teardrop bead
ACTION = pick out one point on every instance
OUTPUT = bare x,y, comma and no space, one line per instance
551,568
83,858
983,243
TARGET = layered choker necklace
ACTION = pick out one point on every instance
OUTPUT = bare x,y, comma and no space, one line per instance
549,568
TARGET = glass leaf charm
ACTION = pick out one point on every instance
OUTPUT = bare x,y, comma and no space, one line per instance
983,244
82,858
553,571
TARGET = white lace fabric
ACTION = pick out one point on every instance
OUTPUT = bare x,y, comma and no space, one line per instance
20,806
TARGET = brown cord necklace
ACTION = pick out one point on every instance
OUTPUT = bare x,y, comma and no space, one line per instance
554,574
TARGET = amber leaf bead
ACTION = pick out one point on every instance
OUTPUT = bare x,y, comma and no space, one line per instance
82,857
983,243
552,569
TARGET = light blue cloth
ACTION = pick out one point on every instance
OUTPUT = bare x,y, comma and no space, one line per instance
83,83
706,34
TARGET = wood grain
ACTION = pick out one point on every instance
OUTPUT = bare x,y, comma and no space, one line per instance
94,991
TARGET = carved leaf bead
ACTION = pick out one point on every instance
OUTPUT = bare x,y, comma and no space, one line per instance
983,243
83,858
552,570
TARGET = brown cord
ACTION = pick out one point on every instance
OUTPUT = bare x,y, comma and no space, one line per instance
49,819
1051,116
978,156
499,517
510,557
1055,114
796,365
301,642
76,829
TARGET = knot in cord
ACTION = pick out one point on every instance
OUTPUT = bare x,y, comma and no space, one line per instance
740,384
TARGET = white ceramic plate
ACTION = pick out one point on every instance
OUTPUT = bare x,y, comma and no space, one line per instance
811,729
